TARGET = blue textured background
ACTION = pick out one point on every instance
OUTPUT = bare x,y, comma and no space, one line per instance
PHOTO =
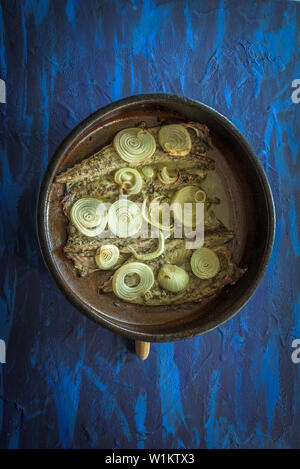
68,383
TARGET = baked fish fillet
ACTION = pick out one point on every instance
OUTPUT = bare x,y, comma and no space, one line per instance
196,290
107,159
106,188
78,242
84,262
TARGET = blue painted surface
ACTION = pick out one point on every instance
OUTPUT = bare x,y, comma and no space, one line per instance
68,383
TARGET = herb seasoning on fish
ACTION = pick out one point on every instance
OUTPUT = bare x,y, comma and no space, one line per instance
147,166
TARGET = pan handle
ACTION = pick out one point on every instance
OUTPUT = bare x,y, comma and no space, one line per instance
142,349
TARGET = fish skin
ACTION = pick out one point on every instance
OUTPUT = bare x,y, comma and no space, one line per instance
105,189
196,290
203,132
85,244
84,262
107,160
78,242
176,253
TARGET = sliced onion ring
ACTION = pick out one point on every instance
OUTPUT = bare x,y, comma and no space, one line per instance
130,180
200,196
134,145
175,139
107,256
191,126
165,177
146,280
148,172
124,218
147,214
185,214
172,278
89,216
205,263
150,255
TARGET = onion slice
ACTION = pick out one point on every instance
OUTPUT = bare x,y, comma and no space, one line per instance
146,214
150,255
173,278
124,218
148,172
165,177
175,139
200,196
130,180
107,256
89,215
190,126
145,280
186,214
205,263
134,145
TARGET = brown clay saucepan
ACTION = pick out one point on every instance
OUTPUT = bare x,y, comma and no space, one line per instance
251,215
